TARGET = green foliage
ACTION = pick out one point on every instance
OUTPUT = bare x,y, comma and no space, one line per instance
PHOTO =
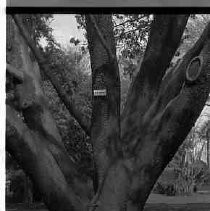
131,33
189,177
74,138
38,26
182,180
186,171
166,188
64,65
81,21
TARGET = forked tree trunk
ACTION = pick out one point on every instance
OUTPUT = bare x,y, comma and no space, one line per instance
154,123
130,151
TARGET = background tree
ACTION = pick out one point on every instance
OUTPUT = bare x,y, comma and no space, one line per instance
130,148
188,171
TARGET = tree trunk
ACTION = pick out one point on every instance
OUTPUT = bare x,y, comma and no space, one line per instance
153,124
130,151
105,128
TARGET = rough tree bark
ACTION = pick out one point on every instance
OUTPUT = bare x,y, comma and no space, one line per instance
36,142
130,150
64,96
208,145
105,127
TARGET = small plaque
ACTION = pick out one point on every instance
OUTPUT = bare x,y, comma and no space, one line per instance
99,92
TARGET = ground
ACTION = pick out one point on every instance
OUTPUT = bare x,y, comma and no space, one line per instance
156,202
196,202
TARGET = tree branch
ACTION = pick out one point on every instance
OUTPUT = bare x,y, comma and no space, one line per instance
67,100
176,120
174,79
27,148
159,139
165,35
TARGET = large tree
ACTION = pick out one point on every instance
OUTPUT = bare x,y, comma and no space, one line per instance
132,147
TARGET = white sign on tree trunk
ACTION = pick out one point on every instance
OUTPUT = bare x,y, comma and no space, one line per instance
99,92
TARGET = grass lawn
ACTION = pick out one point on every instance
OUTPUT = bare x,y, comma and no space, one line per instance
155,202
195,202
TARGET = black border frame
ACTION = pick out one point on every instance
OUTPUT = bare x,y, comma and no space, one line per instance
108,10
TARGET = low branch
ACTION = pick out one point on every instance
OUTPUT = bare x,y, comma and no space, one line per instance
39,161
66,99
